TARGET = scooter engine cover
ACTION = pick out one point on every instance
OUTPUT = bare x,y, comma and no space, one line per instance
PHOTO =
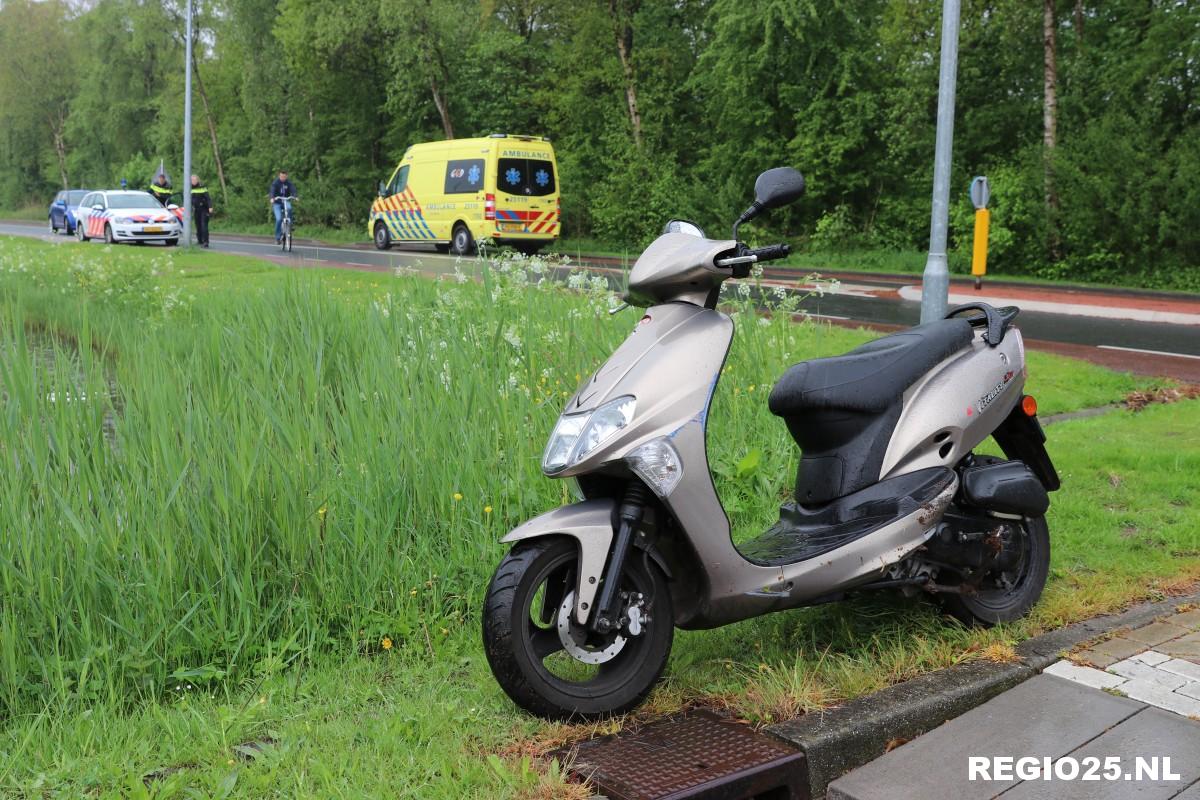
1008,487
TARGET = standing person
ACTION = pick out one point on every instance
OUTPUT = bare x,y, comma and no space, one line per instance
161,188
280,187
201,210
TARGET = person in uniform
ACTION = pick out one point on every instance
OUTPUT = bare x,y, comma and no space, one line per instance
161,189
202,209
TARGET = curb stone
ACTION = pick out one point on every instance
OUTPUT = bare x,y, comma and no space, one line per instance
840,739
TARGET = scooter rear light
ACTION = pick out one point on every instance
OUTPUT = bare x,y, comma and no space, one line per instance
1029,405
489,207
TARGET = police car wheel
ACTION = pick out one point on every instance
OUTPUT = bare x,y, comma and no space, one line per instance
383,239
108,235
80,232
461,243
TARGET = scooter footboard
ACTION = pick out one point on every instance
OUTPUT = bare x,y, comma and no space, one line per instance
590,523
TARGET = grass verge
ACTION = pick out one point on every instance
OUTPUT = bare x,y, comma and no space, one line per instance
254,568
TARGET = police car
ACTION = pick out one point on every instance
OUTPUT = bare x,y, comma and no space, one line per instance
126,217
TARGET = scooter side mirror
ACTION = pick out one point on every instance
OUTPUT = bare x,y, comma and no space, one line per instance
778,187
774,188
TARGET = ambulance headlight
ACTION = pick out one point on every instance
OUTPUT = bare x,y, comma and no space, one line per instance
658,464
576,435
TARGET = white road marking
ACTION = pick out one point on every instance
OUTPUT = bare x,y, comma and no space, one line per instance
913,293
1146,352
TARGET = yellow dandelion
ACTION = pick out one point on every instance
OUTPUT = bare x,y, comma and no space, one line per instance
386,644
565,394
445,632
487,509
458,495
577,376
321,512
413,593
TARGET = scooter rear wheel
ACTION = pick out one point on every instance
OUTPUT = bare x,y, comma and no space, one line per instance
526,617
1008,596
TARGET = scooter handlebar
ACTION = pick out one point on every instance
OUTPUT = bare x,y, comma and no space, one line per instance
771,252
746,256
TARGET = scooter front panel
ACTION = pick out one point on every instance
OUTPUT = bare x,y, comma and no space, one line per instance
669,364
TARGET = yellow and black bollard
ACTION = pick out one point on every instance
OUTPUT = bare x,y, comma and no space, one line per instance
980,192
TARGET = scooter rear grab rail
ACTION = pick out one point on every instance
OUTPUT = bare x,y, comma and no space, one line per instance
997,321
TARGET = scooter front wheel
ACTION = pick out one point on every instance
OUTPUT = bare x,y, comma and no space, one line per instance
549,664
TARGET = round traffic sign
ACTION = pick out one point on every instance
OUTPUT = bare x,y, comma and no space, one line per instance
980,191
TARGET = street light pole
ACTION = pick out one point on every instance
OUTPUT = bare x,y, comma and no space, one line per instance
935,283
187,133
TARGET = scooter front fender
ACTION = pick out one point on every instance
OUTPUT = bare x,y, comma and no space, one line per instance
590,523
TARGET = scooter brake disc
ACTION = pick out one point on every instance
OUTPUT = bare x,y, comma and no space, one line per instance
582,652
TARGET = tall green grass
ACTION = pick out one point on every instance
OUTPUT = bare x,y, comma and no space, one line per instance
207,480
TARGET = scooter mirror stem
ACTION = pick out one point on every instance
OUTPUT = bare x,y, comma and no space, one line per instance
747,215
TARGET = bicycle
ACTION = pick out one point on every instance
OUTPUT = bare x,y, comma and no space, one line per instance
286,224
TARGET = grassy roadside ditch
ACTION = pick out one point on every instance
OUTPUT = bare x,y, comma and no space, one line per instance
254,569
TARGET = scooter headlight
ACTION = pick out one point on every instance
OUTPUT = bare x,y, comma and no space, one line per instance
658,464
576,435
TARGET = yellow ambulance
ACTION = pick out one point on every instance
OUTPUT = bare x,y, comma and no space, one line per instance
454,193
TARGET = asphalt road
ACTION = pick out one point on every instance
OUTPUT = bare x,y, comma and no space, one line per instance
1145,347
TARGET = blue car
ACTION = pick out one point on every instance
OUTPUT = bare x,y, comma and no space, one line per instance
62,210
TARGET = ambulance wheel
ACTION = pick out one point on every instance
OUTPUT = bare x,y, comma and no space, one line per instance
383,239
108,235
461,243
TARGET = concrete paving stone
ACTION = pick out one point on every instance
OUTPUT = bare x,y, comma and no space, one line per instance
1187,619
1179,666
1151,657
1158,695
1156,633
1182,648
1135,670
1149,734
1190,793
1096,678
1044,716
1111,651
1190,690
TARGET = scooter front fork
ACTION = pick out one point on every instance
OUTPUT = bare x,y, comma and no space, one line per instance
629,514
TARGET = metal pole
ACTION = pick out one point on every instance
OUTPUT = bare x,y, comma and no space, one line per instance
187,133
935,285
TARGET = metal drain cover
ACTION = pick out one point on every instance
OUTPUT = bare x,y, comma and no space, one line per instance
693,754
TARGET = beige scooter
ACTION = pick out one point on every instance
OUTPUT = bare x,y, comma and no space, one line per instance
579,616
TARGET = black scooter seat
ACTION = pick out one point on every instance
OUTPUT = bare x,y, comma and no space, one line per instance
872,377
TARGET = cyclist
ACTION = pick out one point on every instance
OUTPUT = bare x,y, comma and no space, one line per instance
201,210
161,189
280,187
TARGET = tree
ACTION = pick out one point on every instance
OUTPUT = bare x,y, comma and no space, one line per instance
1050,120
37,72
